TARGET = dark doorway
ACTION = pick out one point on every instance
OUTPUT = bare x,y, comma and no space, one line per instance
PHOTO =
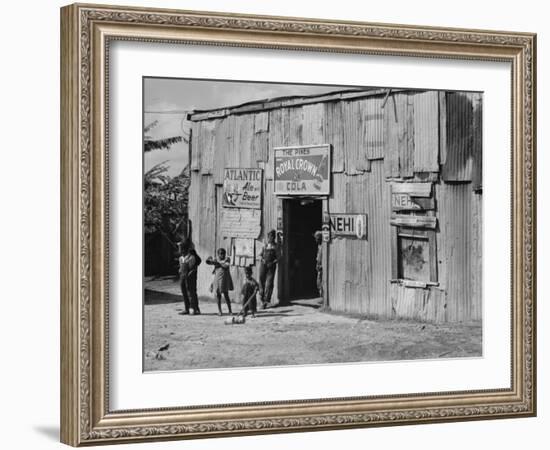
302,219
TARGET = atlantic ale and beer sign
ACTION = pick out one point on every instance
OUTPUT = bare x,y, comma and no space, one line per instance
242,188
303,170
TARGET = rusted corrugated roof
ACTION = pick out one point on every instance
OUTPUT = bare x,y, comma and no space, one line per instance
285,102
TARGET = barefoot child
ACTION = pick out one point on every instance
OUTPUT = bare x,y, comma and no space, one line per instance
222,283
248,292
189,262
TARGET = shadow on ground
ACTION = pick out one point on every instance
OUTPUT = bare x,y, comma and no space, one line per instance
163,298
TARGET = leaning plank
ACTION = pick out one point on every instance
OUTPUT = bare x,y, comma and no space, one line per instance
412,189
414,284
414,221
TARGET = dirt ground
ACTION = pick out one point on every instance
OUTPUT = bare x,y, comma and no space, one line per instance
287,335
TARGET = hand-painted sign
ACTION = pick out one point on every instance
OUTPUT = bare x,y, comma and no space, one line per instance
242,188
348,226
404,202
303,170
241,223
411,196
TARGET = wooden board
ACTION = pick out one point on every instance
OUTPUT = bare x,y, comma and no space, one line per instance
208,145
459,157
459,251
414,221
195,146
412,189
278,132
406,145
442,127
374,127
391,150
334,135
220,150
426,131
350,125
314,124
406,202
426,305
477,150
399,123
261,136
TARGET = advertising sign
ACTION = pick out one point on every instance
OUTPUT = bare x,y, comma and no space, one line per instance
303,170
352,226
241,223
404,202
242,188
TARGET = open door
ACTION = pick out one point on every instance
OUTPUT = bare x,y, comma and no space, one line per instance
302,218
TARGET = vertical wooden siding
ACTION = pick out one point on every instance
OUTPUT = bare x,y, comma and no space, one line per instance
360,281
426,132
459,158
459,250
374,129
370,144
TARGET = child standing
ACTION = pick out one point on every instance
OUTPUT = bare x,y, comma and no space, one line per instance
268,265
223,282
248,292
189,262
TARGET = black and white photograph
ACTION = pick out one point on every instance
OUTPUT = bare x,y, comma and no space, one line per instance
288,224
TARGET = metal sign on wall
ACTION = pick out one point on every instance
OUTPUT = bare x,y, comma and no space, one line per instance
242,188
352,226
412,196
303,170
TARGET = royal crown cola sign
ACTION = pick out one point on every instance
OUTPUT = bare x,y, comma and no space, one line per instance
303,170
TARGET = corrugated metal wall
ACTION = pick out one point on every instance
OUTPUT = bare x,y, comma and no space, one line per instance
416,136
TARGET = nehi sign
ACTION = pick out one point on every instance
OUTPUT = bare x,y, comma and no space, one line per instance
348,226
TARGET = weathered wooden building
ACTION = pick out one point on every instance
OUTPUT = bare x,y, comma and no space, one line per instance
393,177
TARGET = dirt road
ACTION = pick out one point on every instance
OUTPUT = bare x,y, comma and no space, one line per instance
295,334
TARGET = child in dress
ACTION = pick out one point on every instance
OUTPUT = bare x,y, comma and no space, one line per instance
223,282
248,292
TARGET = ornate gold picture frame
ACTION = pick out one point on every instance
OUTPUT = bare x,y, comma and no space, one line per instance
87,31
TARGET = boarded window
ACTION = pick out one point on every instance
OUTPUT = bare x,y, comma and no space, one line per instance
415,255
415,258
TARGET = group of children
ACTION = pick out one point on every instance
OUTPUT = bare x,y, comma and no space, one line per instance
222,282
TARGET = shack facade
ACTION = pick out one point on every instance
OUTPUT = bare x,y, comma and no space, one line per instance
393,178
